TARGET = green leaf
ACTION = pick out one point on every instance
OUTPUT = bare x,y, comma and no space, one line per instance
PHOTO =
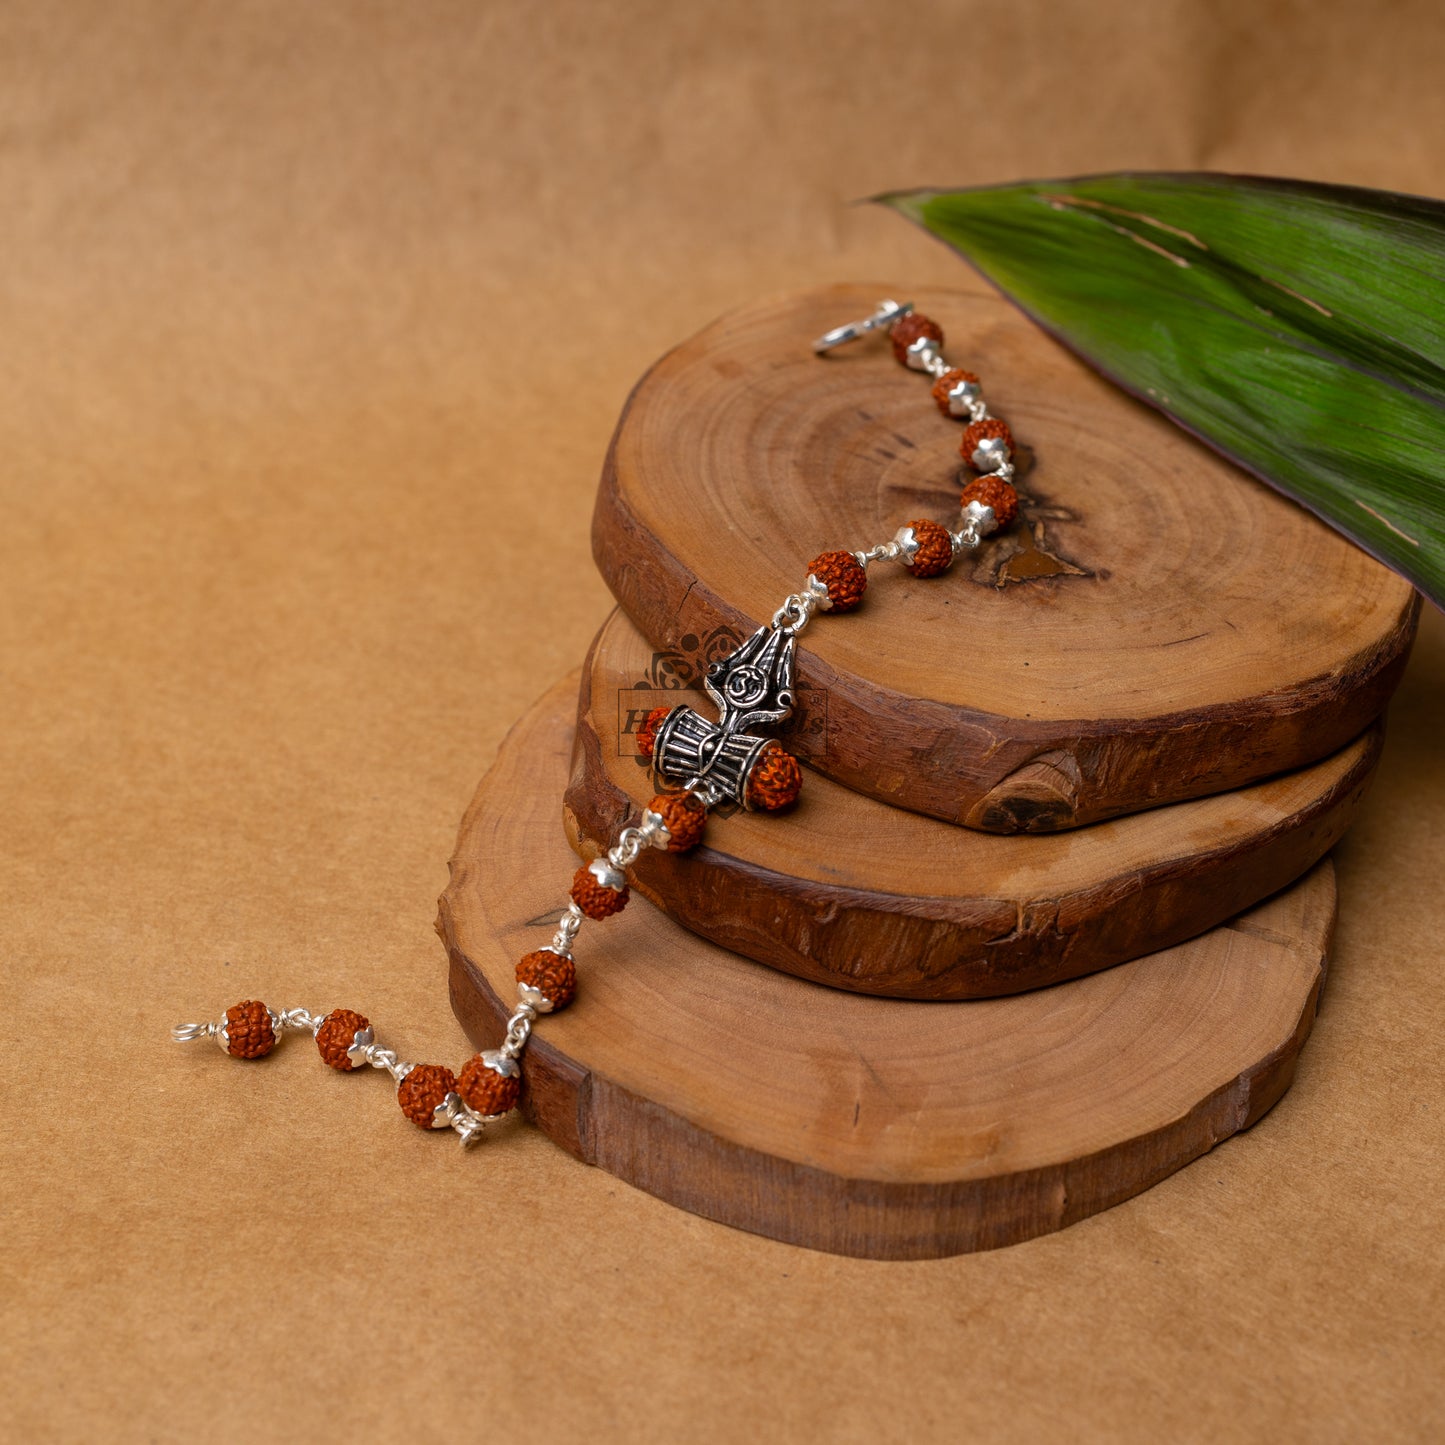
1297,328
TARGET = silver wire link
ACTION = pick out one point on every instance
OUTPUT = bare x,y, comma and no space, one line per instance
798,607
888,551
978,522
519,1030
631,841
708,792
925,355
567,929
300,1020
188,1033
468,1123
364,1048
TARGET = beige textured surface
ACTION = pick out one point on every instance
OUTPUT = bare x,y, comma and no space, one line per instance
316,322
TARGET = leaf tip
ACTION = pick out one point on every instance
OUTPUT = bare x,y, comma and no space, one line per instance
906,203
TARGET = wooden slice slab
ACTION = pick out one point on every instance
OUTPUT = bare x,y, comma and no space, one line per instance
1158,627
886,1128
850,892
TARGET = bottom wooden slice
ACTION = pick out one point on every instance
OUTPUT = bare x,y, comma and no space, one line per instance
891,1129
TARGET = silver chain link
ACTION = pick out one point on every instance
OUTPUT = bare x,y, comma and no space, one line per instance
519,1030
380,1058
567,930
883,552
188,1033
798,607
300,1020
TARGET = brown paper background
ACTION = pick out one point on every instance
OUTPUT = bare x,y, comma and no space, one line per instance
316,318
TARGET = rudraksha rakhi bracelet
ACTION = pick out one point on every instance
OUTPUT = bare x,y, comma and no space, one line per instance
706,763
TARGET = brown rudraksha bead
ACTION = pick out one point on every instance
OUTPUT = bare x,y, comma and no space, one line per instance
775,780
249,1032
996,493
909,329
422,1090
935,549
946,383
334,1037
683,817
843,575
553,975
484,1090
595,899
647,733
977,431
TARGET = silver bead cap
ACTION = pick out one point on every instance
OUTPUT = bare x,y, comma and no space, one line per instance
981,518
448,1111
500,1063
924,355
962,396
361,1041
906,540
534,998
656,830
990,454
607,875
817,590
825,603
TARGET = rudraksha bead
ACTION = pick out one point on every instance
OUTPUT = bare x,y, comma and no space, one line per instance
935,549
996,493
249,1031
484,1090
595,898
683,817
553,975
843,575
946,383
909,329
775,780
338,1029
647,733
423,1090
989,428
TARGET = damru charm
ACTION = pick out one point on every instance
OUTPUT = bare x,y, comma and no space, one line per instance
751,686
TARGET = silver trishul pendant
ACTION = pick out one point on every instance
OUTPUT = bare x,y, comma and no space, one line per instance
752,685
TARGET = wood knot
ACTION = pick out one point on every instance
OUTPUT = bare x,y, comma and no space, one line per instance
1041,796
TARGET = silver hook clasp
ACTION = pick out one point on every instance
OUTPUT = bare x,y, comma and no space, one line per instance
887,313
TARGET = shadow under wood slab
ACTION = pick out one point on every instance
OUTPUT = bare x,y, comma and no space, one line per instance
884,1128
848,891
1158,625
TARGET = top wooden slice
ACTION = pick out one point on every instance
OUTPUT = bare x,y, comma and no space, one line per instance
1158,626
